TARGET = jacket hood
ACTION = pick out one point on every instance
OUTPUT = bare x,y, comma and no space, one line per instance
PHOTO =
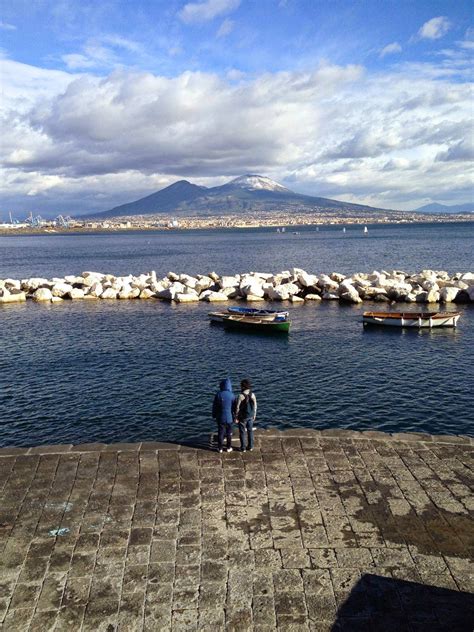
226,385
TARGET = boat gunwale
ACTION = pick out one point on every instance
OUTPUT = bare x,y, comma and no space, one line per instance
411,315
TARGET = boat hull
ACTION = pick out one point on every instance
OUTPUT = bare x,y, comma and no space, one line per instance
416,320
251,323
263,314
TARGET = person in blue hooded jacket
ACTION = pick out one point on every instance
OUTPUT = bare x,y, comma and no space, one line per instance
223,413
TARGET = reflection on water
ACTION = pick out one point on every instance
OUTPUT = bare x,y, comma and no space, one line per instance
140,370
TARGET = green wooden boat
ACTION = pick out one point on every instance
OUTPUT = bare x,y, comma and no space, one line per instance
235,321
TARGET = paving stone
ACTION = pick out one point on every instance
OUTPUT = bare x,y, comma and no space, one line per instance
312,531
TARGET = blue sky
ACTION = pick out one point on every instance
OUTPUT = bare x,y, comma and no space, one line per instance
367,101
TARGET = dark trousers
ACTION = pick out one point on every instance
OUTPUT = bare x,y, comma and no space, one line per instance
224,431
246,429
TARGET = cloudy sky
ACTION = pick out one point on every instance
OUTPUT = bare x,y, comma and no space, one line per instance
360,100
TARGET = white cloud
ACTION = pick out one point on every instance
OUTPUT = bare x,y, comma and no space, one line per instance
195,12
390,49
335,131
102,52
4,26
434,28
77,60
225,28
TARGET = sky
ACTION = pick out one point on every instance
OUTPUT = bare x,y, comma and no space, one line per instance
102,103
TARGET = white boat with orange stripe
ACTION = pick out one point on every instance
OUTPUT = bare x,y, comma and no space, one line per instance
411,319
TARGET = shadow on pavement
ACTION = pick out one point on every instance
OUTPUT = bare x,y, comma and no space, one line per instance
385,604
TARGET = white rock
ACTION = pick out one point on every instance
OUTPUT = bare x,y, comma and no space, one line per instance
312,297
470,291
147,293
204,282
336,276
252,298
186,298
159,287
227,281
172,276
348,293
109,293
291,288
16,297
255,289
188,281
448,294
96,290
126,292
61,289
429,286
231,292
42,294
212,297
327,284
92,279
329,296
57,299
296,299
33,284
12,284
214,276
169,293
277,293
76,293
307,280
427,297
140,282
189,290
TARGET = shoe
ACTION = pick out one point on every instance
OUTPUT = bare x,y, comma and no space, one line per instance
229,450
221,450
249,449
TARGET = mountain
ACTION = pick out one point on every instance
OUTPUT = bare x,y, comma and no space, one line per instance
166,200
444,208
247,193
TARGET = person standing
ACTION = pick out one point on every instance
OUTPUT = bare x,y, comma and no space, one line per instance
223,412
245,413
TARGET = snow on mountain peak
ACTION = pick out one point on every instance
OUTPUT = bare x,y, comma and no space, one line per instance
257,183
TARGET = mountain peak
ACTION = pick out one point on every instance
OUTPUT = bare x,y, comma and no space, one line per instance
254,182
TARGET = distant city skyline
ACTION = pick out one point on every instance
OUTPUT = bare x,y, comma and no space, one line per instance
367,102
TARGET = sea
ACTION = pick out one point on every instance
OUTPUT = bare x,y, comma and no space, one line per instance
113,371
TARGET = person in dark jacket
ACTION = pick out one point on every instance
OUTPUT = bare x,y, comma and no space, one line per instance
223,413
245,413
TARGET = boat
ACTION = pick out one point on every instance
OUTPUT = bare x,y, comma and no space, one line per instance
264,314
235,321
343,230
366,230
411,319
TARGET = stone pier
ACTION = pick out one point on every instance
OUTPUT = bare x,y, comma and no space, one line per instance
332,530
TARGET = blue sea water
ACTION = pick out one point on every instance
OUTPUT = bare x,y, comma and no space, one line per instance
146,370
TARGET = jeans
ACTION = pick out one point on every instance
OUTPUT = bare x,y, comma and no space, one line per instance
246,429
224,431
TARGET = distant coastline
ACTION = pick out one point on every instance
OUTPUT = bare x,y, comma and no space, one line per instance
142,224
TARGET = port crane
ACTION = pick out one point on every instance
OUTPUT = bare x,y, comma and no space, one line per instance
35,220
63,221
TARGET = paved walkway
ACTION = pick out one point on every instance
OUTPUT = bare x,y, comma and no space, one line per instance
332,530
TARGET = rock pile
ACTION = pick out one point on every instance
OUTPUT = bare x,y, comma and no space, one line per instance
296,285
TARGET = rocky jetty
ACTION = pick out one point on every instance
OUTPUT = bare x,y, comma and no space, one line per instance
295,285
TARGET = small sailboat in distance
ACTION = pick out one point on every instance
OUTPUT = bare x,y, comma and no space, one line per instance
344,229
366,230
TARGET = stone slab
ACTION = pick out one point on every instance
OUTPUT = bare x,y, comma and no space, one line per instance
312,530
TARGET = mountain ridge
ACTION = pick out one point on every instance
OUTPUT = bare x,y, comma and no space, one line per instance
435,207
244,194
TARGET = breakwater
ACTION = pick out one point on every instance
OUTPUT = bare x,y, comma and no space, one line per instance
295,285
